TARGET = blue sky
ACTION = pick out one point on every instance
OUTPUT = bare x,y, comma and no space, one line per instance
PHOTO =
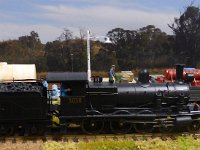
50,17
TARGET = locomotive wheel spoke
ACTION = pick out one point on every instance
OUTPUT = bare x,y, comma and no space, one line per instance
92,126
166,128
10,131
195,126
3,130
143,127
120,126
20,130
6,130
41,130
34,130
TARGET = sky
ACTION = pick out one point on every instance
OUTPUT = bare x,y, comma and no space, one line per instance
49,18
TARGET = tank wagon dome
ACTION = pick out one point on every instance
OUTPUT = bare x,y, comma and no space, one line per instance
17,72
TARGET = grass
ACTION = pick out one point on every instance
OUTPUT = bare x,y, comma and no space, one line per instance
181,143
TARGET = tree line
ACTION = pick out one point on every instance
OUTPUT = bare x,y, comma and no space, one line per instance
147,47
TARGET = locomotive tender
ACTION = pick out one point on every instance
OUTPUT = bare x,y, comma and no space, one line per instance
98,107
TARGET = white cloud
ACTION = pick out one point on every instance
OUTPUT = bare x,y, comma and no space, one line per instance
49,20
106,17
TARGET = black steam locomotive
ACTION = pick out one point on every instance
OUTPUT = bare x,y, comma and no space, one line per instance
98,107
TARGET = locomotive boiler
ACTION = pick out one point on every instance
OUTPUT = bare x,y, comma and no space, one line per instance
141,94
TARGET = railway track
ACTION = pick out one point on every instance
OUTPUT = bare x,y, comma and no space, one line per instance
90,138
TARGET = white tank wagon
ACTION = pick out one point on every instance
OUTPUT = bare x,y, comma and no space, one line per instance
17,72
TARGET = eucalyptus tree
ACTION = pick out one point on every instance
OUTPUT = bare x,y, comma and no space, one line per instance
187,35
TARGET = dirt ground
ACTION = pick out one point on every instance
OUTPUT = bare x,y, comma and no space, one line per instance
29,145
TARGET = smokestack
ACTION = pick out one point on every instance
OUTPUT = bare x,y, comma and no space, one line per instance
179,72
143,76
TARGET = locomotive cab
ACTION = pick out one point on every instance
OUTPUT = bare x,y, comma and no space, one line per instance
72,91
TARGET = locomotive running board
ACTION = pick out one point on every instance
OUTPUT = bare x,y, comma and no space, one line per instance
129,116
149,116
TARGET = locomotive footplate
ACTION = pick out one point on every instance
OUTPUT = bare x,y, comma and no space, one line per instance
128,116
